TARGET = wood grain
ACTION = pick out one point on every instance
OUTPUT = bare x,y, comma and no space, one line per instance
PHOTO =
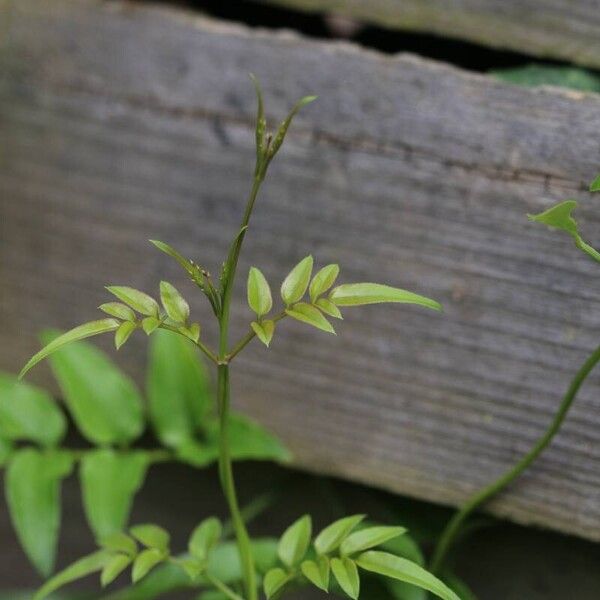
556,29
120,123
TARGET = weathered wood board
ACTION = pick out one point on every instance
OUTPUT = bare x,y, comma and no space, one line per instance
556,29
120,123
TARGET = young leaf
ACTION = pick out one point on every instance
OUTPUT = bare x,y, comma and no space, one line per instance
109,481
29,413
395,567
78,333
307,313
295,541
322,281
178,389
595,185
191,269
369,538
280,135
119,542
261,123
118,310
110,413
274,582
357,294
32,489
151,536
295,284
231,257
329,308
150,325
192,567
264,331
192,332
259,292
145,562
82,568
346,573
175,304
113,568
139,301
123,333
333,535
559,217
317,572
204,538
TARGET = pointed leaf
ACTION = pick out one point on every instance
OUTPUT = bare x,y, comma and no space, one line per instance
333,535
264,331
323,280
145,562
559,217
261,123
33,497
123,333
204,538
152,536
109,482
82,568
29,413
192,269
395,567
234,250
458,586
139,301
595,185
295,541
118,310
178,389
78,333
281,132
357,294
274,582
119,542
110,413
192,567
346,574
306,313
295,284
259,292
150,325
329,308
113,568
192,332
369,538
317,572
175,304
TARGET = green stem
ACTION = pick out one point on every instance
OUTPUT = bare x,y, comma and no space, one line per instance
454,525
249,337
225,589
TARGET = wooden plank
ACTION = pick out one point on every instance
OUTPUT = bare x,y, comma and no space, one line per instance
556,29
124,123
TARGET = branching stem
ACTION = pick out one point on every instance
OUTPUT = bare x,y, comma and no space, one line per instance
249,337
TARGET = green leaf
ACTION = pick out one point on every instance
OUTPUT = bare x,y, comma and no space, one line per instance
175,304
178,389
406,547
595,185
139,301
534,75
224,560
559,217
259,292
118,310
197,454
113,568
395,567
295,284
357,294
264,331
193,567
205,537
192,269
231,257
369,538
346,573
29,413
123,333
317,572
295,541
5,451
333,535
82,568
150,325
109,482
119,542
281,132
110,413
458,586
145,562
32,487
274,582
261,123
78,333
306,313
151,536
329,308
322,281
192,332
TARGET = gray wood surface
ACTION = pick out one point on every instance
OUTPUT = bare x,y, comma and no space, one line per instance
556,29
120,123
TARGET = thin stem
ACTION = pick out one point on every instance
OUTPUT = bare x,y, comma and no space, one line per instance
249,337
207,351
225,589
454,525
252,510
